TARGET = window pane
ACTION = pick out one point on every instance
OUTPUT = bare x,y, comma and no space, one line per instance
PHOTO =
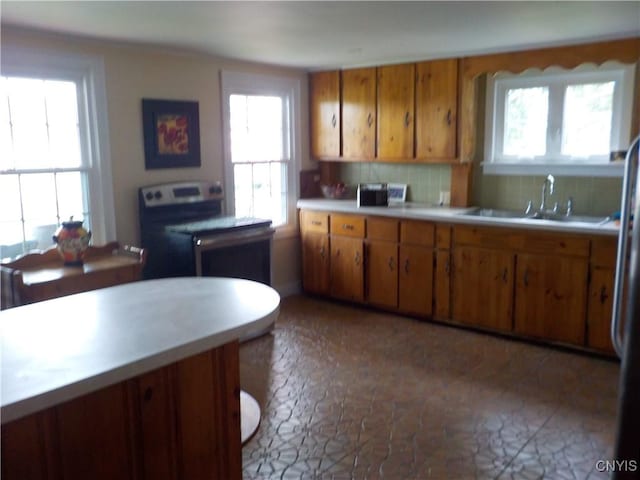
6,149
9,198
39,198
588,111
28,121
525,123
70,197
256,128
243,186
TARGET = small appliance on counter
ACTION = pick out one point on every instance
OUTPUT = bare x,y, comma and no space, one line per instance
373,195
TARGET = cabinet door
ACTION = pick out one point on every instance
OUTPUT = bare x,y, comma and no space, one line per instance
442,285
600,308
315,263
482,287
436,107
396,97
325,114
551,297
416,279
382,273
359,113
346,267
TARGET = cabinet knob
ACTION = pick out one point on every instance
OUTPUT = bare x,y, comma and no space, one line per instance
334,121
346,226
447,267
406,266
322,252
392,263
525,279
449,117
603,295
407,119
504,275
316,223
370,120
357,259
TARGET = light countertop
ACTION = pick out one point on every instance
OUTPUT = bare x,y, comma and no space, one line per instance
59,349
418,211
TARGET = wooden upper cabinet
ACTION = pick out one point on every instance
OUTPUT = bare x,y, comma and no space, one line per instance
396,98
436,109
325,114
359,113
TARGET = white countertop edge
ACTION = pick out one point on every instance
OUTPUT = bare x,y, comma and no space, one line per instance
455,215
22,408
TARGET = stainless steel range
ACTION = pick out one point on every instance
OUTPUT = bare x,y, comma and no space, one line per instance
185,233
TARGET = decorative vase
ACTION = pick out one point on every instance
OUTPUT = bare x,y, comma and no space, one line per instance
72,240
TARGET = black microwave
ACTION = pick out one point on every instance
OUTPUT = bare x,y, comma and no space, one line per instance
373,195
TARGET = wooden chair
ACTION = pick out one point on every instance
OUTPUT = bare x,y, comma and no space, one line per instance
41,275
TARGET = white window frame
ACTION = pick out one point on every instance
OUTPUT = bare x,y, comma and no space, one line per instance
88,73
240,83
557,79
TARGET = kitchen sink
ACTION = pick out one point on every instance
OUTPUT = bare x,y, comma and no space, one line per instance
554,217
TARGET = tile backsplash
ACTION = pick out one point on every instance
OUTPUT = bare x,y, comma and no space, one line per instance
425,181
591,195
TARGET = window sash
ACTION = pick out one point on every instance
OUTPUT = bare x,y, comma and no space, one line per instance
557,81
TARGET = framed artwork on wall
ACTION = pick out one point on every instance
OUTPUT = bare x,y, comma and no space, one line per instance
171,133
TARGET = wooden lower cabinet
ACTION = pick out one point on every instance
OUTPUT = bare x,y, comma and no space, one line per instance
382,273
315,263
551,297
599,309
416,280
482,287
180,421
347,268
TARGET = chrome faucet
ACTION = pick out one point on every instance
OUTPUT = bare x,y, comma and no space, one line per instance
550,180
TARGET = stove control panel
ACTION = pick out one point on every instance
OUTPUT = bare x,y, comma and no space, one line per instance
180,192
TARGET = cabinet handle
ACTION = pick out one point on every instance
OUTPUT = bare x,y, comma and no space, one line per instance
370,120
504,275
334,120
357,259
526,278
337,252
346,226
406,119
449,117
316,222
447,267
406,266
391,263
603,295
322,252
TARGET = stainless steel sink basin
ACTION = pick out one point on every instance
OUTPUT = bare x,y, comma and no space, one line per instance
554,217
490,212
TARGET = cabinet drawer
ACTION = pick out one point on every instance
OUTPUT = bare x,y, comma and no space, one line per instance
487,237
417,233
347,225
559,244
382,229
603,251
314,221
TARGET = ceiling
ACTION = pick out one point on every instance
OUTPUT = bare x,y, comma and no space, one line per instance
321,35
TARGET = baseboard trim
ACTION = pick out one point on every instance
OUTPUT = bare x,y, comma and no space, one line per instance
288,289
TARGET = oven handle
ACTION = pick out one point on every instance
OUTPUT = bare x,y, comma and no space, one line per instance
202,244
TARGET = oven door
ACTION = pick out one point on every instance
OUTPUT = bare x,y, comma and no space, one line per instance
242,254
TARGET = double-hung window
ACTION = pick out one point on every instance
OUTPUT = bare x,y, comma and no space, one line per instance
261,124
53,152
558,121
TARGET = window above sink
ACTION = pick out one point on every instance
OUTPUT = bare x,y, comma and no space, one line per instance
564,122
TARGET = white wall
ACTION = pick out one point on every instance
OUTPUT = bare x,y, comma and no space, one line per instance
136,72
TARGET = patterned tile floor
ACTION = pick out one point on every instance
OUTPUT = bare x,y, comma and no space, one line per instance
352,393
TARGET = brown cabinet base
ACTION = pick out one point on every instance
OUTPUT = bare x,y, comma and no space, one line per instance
180,421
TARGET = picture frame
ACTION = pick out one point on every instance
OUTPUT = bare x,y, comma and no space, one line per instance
397,192
171,133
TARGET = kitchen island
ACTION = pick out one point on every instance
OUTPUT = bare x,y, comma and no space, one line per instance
133,381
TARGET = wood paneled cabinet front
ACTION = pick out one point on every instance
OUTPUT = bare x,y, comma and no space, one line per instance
314,230
346,279
602,267
436,109
359,113
416,268
325,114
396,114
381,272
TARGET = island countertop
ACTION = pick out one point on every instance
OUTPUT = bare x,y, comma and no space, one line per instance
418,211
59,349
